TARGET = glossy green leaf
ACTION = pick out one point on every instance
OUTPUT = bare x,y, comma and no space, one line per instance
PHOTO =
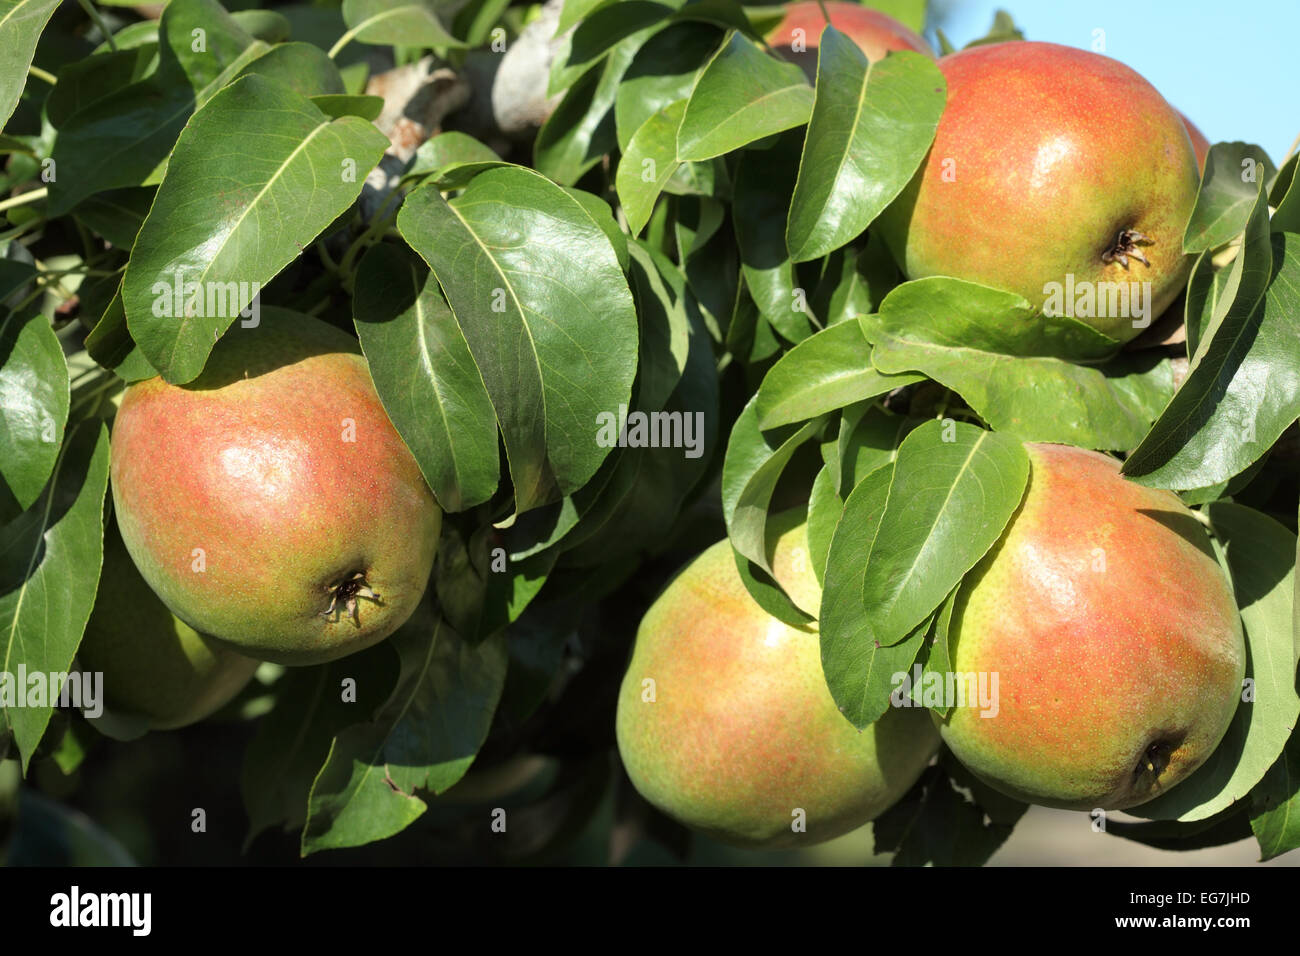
871,126
957,487
665,331
750,472
422,741
426,377
764,182
827,371
1259,554
574,11
581,130
536,288
1285,195
647,163
1275,804
1243,390
117,214
398,22
82,83
218,224
34,395
859,672
348,104
301,67
312,705
662,72
1234,175
50,558
21,23
964,335
742,95
124,139
606,29
447,151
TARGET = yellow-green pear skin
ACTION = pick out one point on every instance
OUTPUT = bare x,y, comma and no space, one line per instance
1114,634
155,666
726,724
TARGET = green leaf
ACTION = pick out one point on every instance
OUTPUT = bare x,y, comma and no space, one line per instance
581,130
871,126
662,72
869,437
399,23
1003,31
859,672
446,152
218,223
1259,554
665,330
575,11
117,215
82,83
824,510
854,281
959,486
764,182
21,23
110,344
34,396
648,162
606,29
827,371
266,25
1234,175
312,705
124,139
426,377
741,96
301,67
750,472
935,656
50,558
1285,195
346,104
1275,804
537,290
1243,389
422,741
959,334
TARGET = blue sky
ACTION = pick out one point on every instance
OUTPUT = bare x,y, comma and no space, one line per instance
1227,65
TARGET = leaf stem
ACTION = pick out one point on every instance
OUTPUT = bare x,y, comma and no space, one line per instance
43,75
343,41
99,22
34,195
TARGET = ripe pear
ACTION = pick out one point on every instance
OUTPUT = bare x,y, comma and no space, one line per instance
1051,162
1114,634
797,36
270,503
725,721
155,666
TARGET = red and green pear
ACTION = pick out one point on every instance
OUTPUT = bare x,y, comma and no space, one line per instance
270,503
1051,167
155,667
1114,634
725,721
797,36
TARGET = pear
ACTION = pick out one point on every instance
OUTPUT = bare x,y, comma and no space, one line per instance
270,503
1114,634
1052,168
725,721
